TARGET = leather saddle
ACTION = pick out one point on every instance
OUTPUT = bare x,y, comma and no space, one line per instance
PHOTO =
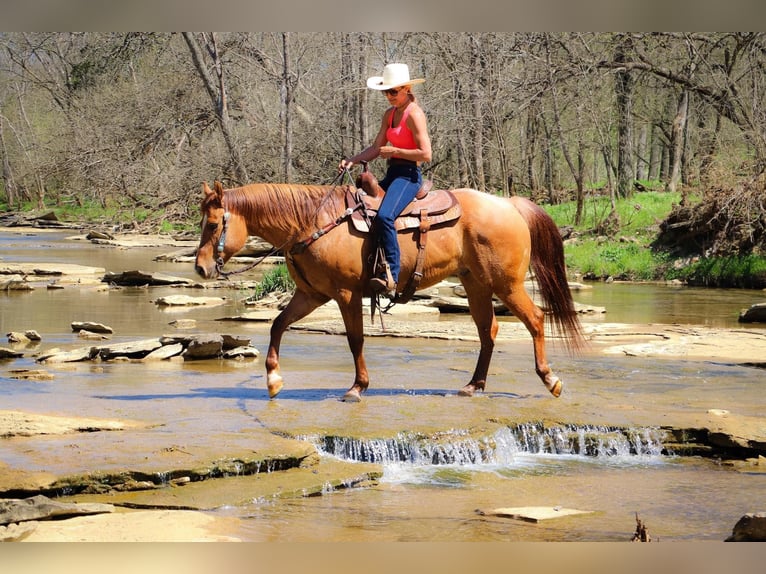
433,206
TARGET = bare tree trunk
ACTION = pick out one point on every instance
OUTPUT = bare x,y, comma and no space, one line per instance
624,93
217,92
548,162
285,109
9,183
709,150
577,172
677,142
655,154
530,146
479,181
39,184
363,97
462,160
348,109
642,164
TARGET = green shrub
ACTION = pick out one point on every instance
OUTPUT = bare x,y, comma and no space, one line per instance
746,272
276,280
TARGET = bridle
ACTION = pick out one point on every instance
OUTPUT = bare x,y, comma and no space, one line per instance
219,248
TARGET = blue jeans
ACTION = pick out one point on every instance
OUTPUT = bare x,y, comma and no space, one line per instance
402,182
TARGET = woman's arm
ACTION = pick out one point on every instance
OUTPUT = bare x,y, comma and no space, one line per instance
373,151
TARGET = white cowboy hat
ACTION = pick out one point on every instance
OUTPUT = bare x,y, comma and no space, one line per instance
394,75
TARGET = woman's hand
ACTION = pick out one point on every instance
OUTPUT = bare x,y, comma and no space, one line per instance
344,165
388,151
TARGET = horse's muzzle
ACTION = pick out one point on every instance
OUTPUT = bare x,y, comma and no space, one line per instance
205,272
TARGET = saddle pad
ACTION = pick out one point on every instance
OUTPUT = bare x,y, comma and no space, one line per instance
440,206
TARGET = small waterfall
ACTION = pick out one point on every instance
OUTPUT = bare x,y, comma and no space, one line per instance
589,440
459,448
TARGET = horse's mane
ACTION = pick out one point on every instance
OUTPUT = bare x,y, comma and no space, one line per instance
286,205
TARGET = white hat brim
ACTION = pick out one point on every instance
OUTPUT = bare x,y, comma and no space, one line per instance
376,83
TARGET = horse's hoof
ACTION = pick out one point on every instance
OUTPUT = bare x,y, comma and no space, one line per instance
469,390
352,396
557,388
274,384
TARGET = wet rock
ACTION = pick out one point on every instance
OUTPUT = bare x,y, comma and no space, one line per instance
43,508
31,375
14,282
204,347
51,270
533,513
750,528
164,352
76,355
192,347
131,350
183,323
227,341
134,485
91,336
9,353
92,327
241,353
231,342
755,314
25,337
99,235
187,301
139,278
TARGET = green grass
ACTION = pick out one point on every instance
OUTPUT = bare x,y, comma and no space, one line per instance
626,254
276,280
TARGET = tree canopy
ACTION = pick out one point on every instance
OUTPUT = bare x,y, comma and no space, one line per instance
139,120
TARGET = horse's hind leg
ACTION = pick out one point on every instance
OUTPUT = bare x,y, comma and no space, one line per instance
299,306
483,314
521,305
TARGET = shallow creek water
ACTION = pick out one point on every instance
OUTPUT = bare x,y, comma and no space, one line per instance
424,495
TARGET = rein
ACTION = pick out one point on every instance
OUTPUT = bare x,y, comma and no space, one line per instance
301,246
297,248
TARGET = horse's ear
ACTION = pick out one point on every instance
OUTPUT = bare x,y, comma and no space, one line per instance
218,186
206,189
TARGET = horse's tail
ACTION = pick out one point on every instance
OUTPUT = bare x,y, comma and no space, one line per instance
549,266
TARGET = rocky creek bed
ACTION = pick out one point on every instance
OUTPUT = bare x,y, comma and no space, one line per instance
154,470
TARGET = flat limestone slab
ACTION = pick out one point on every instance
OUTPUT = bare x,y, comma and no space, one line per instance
534,513
15,423
312,480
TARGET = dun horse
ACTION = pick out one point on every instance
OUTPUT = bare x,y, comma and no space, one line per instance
489,248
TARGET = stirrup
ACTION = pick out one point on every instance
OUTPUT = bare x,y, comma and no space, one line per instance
381,285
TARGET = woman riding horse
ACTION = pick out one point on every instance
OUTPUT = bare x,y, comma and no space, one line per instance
404,127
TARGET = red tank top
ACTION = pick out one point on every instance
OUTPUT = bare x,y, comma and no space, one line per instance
400,136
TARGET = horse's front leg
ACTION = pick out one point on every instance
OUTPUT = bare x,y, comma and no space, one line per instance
350,304
299,306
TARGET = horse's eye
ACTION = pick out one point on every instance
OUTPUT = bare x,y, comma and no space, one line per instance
212,226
